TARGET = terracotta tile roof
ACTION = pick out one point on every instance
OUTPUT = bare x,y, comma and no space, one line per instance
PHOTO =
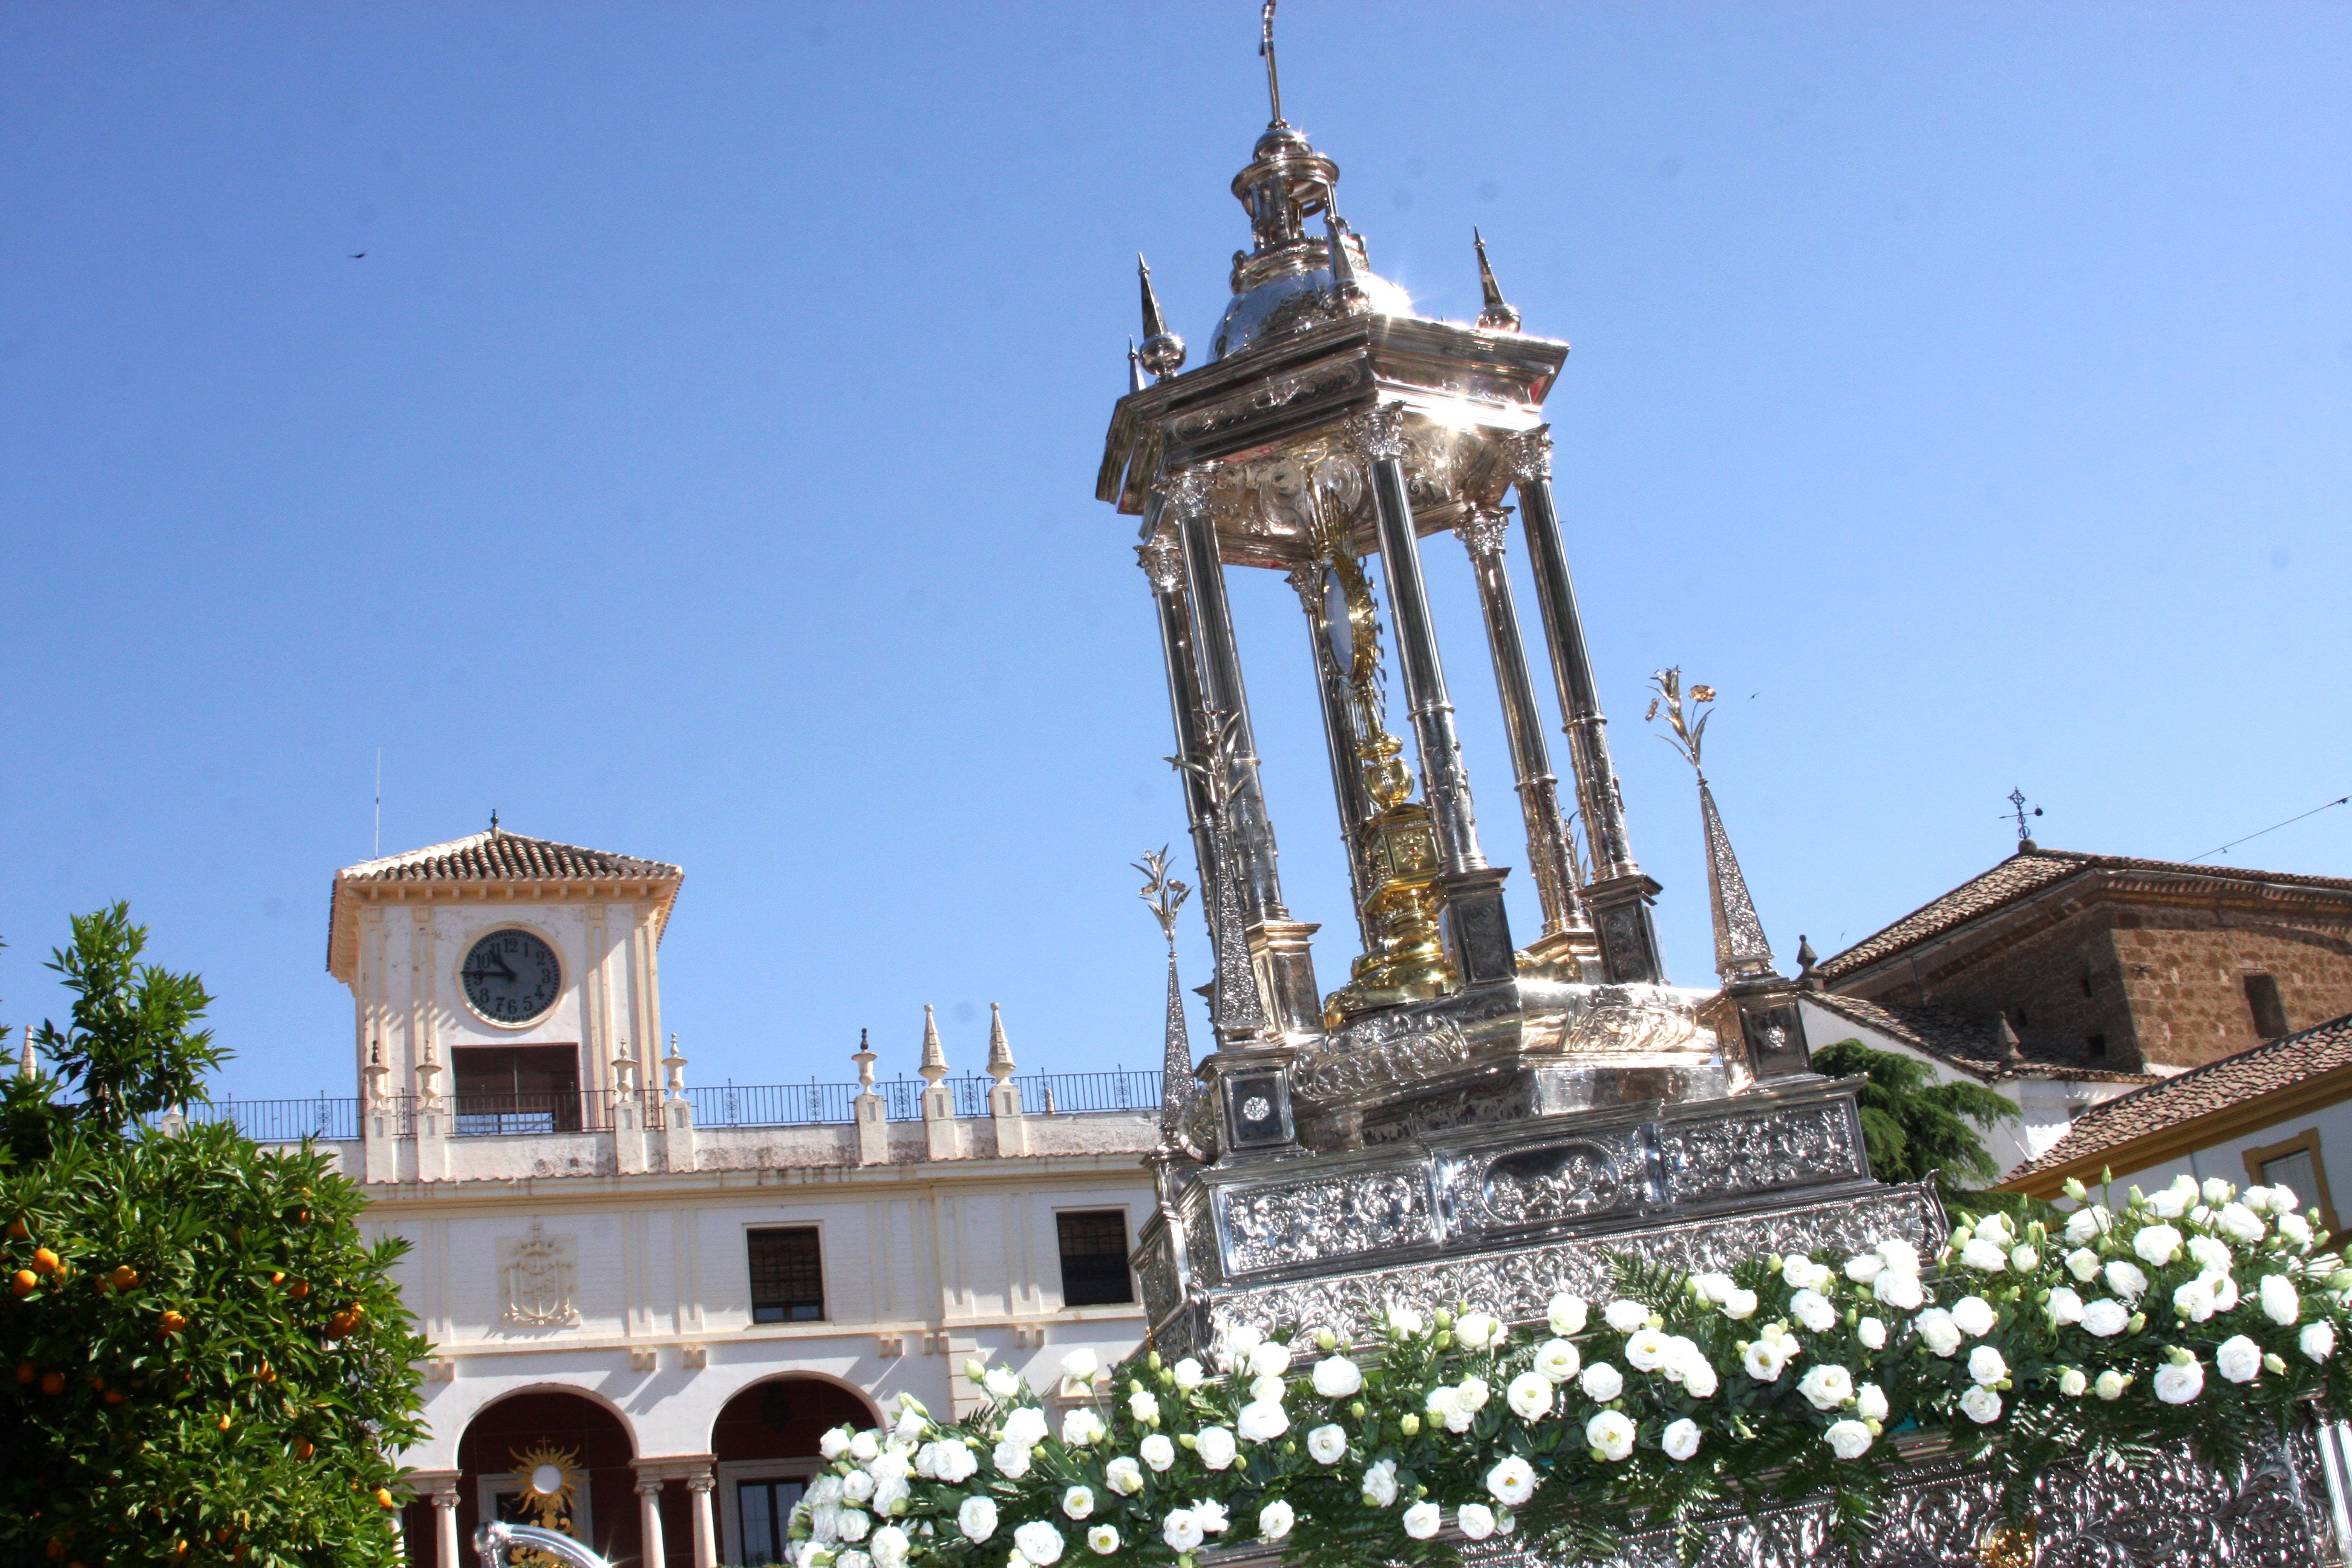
486,860
1966,1043
498,856
2028,872
2201,1092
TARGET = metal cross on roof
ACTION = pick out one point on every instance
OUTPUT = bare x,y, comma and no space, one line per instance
2017,802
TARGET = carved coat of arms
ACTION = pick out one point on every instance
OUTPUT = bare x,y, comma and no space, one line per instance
537,1272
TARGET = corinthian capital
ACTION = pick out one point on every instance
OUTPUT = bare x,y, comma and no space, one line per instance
1529,453
1483,531
1379,431
1188,489
1163,559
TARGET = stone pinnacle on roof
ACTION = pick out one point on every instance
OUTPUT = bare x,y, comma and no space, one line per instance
999,1049
934,1055
864,1057
2004,1039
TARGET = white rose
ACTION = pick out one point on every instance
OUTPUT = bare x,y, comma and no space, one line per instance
1442,1402
2111,1385
2024,1258
2211,1252
1144,1406
1328,1445
1471,1393
2083,1264
1379,1487
1558,1360
1157,1451
1240,1339
1405,1322
1421,1519
1474,1519
2194,1300
1566,1314
2178,1382
1870,1402
2280,1303
2088,1224
1938,1332
1078,1502
1740,1305
1825,1386
1985,1366
1190,1374
858,1486
1984,1258
2106,1317
833,1444
2126,1281
864,1448
890,1495
1024,1426
2157,1244
1610,1433
1262,1421
2065,1305
1511,1483
1981,1403
1083,1426
2072,1382
825,1489
1765,1358
1080,1366
1871,1331
1995,1228
2296,1228
1624,1316
853,1560
2225,1290
1215,1448
1974,1316
1601,1383
1848,1439
1001,1382
2218,1191
2238,1358
1270,1359
1531,1396
889,1547
1480,1331
2170,1203
1864,1268
1181,1530
2317,1340
1011,1459
2256,1198
1803,1274
1102,1540
1274,1520
1680,1439
1712,1286
1810,1307
1900,1291
1698,1377
957,1463
2240,1223
1272,1388
1123,1476
851,1524
1212,1515
1336,1377
1900,1255
1645,1349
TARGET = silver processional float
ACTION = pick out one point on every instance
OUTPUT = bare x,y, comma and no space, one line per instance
496,1540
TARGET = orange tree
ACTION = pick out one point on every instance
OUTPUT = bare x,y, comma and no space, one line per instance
207,1362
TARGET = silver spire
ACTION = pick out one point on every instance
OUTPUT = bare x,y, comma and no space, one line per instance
1742,951
1163,352
1164,896
1495,313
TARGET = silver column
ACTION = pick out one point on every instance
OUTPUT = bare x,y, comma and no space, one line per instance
1340,736
1550,858
1477,933
1619,894
1219,670
1162,561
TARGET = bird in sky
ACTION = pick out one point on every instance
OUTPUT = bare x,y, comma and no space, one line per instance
359,256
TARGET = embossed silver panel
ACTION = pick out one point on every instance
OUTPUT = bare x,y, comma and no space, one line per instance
1287,1224
1725,1156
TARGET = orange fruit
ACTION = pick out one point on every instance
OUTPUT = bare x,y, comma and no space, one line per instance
115,1397
27,1372
18,1229
299,1289
56,1550
303,1449
278,1277
170,1323
224,1421
22,1282
268,1374
123,1278
44,1261
382,1498
53,1382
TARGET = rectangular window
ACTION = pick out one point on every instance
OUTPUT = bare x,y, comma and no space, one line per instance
787,1276
1093,1259
765,1509
2295,1171
517,1089
2263,1001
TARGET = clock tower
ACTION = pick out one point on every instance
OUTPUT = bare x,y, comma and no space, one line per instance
499,983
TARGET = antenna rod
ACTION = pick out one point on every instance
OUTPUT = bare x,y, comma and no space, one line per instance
377,853
1273,78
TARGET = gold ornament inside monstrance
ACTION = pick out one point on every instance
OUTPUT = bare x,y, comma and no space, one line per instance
553,1480
1404,955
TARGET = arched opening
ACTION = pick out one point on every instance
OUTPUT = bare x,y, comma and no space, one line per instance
765,1444
514,1448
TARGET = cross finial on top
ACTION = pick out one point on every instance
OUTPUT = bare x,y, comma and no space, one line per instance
1273,78
494,819
2017,805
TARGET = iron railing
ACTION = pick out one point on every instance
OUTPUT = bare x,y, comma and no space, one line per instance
811,1104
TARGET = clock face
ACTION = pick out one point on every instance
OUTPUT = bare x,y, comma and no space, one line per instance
511,976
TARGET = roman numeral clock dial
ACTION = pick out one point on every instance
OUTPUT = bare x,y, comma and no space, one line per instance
511,976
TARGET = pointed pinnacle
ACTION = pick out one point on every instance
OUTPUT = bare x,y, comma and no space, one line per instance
1345,288
1135,382
935,1056
1163,352
999,1049
1496,315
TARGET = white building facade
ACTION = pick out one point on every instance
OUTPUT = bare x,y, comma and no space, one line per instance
647,1302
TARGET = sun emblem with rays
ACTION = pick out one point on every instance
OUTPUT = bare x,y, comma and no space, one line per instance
553,1480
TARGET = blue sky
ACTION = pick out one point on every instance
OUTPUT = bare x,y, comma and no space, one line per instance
698,464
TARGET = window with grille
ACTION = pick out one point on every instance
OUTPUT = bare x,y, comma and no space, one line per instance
2263,1001
1093,1259
787,1276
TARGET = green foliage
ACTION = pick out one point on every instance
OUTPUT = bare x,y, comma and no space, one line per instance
208,1363
1913,1126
